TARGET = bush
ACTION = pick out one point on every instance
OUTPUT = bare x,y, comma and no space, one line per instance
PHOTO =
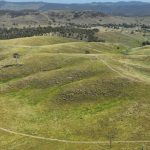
145,43
87,52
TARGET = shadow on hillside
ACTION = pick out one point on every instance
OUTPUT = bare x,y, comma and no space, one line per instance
9,66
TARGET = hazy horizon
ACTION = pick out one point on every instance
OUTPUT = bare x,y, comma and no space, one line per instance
74,1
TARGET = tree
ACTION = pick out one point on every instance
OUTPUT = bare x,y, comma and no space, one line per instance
109,130
16,56
111,134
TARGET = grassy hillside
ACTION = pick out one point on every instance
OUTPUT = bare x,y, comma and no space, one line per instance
57,90
36,41
127,39
141,51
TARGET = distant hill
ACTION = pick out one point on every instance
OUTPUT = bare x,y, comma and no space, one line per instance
120,8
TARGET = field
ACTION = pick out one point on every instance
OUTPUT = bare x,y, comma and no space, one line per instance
64,94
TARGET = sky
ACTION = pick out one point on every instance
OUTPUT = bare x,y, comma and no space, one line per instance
76,1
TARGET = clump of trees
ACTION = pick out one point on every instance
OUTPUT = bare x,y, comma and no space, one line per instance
146,43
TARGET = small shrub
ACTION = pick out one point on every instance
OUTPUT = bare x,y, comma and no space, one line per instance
87,52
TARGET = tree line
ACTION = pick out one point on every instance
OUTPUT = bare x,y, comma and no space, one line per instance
13,13
64,31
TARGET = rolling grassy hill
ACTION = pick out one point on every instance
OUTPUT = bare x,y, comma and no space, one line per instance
57,90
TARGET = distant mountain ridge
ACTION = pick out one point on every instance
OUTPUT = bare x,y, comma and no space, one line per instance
121,8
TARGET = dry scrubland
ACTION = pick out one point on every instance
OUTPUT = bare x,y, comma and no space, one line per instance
56,90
